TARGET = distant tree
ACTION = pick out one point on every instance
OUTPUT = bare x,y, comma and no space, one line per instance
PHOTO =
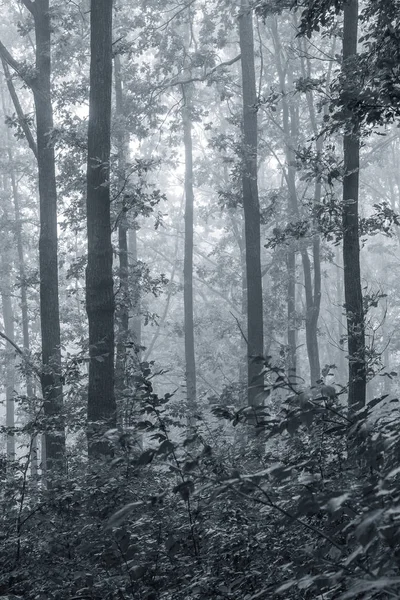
190,358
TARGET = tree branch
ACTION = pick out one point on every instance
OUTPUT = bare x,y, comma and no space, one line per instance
204,77
14,64
30,6
21,353
18,109
9,59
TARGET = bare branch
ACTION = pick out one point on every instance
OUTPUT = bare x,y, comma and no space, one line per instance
18,109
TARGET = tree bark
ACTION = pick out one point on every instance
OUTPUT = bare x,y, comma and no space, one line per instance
350,222
190,359
251,206
99,278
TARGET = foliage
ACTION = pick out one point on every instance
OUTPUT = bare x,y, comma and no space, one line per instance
209,514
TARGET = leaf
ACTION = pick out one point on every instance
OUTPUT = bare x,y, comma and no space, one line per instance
292,425
393,473
166,447
366,530
146,457
172,545
117,518
285,586
280,472
137,571
335,503
184,489
369,586
376,401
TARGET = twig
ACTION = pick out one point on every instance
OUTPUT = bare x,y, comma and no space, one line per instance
240,328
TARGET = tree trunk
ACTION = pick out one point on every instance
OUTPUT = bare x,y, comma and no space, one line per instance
351,243
255,334
122,314
312,285
135,317
48,260
342,374
291,360
188,257
8,320
24,299
99,278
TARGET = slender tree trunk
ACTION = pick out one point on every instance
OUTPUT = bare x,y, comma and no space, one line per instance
99,278
8,320
48,261
291,317
351,243
8,317
122,314
188,256
24,299
135,317
312,285
255,333
342,374
238,230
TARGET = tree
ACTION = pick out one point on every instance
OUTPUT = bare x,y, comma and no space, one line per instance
312,279
351,243
188,255
40,84
123,254
251,206
99,277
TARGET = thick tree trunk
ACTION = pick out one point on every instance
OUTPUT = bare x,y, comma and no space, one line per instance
99,278
188,258
351,243
255,333
48,261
